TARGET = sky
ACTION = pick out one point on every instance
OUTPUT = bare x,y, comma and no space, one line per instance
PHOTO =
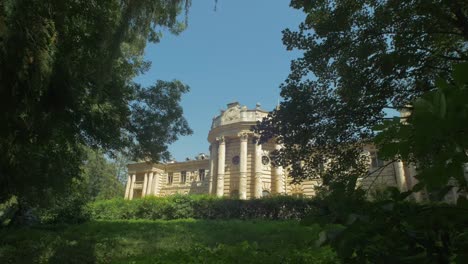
233,53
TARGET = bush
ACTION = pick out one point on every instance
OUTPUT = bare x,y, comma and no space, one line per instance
201,207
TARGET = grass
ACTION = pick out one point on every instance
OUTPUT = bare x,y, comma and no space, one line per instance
176,241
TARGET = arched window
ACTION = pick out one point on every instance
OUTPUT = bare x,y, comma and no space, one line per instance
183,176
170,178
265,193
235,160
201,174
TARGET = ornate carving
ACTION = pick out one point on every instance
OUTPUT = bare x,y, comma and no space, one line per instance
220,139
231,114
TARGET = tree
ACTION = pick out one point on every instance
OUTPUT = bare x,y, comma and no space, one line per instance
360,58
66,81
99,177
435,136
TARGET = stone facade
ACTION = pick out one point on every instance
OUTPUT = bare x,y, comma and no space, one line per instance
239,167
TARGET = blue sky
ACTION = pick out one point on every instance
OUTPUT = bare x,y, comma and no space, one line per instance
232,54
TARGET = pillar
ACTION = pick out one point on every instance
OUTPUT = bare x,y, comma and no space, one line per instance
278,172
243,166
145,184
132,186
400,176
149,190
156,181
127,188
213,157
221,164
258,170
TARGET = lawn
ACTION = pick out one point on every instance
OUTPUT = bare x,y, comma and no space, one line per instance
176,241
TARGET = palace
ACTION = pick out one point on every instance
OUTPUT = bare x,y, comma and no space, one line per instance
239,167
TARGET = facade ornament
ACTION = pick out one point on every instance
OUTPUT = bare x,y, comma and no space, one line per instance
231,114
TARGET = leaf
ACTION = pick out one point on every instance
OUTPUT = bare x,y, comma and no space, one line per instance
442,104
460,73
418,187
441,83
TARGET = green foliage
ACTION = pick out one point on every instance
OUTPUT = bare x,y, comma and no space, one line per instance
244,252
99,177
394,230
201,207
98,180
8,209
435,135
359,58
177,241
66,80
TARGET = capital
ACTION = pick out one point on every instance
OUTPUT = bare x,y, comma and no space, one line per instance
220,140
255,139
243,136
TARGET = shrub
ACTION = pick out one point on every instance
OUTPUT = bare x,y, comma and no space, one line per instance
202,207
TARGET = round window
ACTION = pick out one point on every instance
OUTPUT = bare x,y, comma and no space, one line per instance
265,160
235,160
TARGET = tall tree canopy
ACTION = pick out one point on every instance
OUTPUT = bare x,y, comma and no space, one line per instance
66,71
360,57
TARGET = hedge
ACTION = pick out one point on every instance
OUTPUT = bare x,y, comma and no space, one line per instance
202,207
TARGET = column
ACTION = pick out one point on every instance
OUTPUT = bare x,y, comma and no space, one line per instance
221,163
278,172
400,176
145,184
258,170
156,180
149,190
213,157
243,166
127,188
132,185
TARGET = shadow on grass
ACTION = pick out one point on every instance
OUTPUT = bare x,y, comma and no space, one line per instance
146,241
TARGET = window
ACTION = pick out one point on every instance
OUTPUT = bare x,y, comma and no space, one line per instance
183,176
170,178
265,160
201,174
265,193
375,161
